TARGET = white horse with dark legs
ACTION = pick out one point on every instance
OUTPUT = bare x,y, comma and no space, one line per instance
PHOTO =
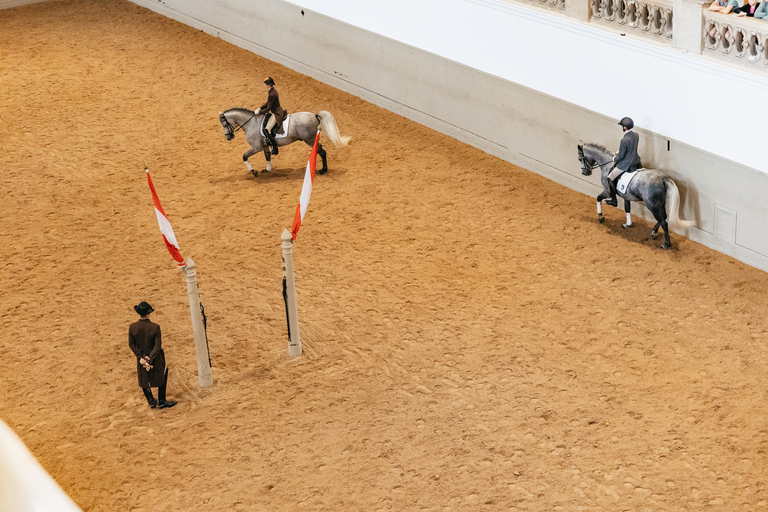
299,126
656,190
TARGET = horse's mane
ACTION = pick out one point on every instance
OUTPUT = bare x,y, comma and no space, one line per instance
598,146
241,109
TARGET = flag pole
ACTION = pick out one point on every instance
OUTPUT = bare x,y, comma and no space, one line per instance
187,266
198,329
291,309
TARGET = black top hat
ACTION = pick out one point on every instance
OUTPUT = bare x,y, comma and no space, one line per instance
143,309
269,81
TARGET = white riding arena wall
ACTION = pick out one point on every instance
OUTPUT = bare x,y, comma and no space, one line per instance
24,485
527,104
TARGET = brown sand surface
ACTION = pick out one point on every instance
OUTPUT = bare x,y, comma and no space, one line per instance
473,339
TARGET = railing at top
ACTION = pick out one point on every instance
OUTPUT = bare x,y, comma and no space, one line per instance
552,5
653,19
739,40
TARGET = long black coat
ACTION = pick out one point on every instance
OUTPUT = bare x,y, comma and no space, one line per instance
273,105
144,339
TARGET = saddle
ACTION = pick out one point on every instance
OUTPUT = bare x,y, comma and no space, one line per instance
625,179
281,132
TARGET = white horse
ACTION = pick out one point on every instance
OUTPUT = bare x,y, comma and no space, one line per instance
654,188
301,126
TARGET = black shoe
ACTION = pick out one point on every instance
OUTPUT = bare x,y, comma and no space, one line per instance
612,202
167,404
153,404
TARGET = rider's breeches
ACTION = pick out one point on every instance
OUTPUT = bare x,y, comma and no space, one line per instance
271,123
615,173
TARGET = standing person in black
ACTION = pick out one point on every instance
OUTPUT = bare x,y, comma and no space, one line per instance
627,159
144,340
275,122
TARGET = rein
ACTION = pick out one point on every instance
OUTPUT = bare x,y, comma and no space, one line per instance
245,123
596,165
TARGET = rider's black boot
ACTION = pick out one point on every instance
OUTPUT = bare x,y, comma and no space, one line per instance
612,201
272,141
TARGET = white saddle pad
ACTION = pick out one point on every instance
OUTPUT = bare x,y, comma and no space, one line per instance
625,180
285,128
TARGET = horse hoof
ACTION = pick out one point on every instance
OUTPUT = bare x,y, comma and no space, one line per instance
654,233
254,173
600,219
322,171
665,246
626,226
264,171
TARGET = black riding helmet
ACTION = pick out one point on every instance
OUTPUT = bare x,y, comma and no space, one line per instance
627,123
269,81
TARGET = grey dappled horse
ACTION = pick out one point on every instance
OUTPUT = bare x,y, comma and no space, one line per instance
656,190
302,126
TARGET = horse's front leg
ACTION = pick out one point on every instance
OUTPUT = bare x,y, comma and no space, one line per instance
603,195
627,208
248,154
268,157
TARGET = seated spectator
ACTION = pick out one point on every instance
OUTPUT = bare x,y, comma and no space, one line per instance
748,9
761,12
724,6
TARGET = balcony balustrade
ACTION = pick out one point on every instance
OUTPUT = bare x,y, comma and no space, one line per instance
642,17
740,40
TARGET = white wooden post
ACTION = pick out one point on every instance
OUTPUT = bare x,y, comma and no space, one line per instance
294,341
201,346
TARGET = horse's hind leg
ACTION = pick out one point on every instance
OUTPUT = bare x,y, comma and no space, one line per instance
667,242
661,216
627,208
321,152
268,157
655,230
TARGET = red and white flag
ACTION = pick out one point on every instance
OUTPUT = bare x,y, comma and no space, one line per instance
306,189
165,227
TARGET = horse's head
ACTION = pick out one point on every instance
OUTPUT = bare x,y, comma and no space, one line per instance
586,167
229,130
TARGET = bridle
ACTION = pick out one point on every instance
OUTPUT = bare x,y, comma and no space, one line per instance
587,168
231,130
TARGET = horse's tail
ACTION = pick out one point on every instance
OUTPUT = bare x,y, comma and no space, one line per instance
673,206
328,125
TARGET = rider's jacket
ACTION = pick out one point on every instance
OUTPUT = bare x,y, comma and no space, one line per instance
273,105
627,158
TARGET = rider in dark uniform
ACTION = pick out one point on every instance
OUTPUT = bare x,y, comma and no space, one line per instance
626,160
272,105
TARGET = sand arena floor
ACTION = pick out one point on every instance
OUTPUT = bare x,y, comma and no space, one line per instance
472,338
